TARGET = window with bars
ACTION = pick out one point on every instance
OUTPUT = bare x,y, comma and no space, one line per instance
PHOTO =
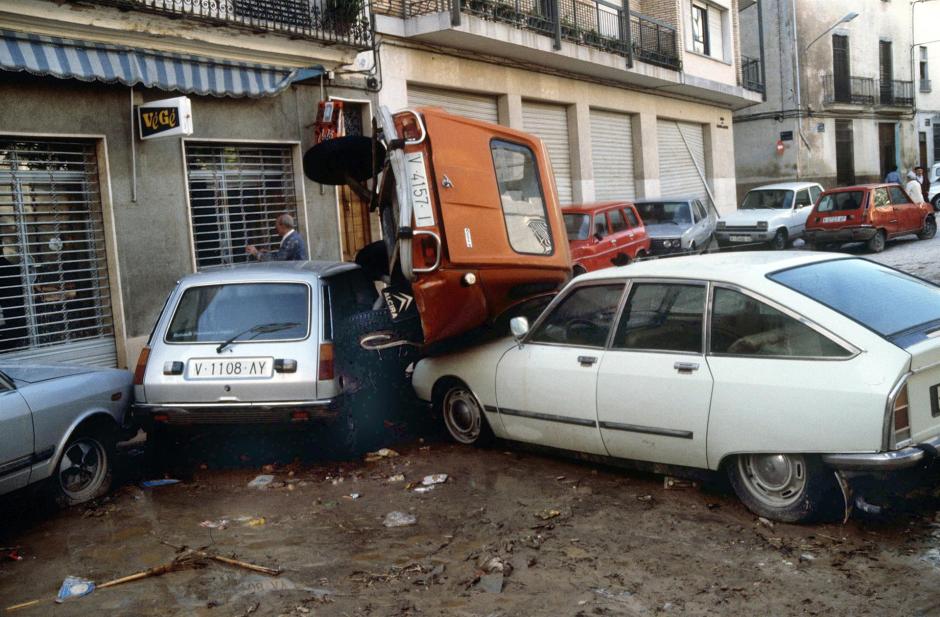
236,192
53,266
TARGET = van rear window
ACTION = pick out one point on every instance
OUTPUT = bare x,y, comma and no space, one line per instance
251,311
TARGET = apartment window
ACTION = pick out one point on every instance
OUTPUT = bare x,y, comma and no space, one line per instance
700,38
236,192
924,74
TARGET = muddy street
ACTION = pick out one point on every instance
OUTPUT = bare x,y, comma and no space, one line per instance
510,532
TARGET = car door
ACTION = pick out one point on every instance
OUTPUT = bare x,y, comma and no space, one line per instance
545,387
654,386
704,225
620,231
883,213
605,248
16,438
796,221
910,217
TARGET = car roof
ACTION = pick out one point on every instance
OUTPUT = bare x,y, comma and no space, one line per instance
599,205
667,198
792,186
736,267
860,187
264,270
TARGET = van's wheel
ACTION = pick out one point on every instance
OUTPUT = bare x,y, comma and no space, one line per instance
936,203
790,488
877,242
463,415
779,241
84,472
929,230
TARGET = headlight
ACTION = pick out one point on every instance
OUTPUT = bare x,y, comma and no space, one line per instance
762,225
721,224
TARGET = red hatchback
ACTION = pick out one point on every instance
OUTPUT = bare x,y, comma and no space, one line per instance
872,213
605,234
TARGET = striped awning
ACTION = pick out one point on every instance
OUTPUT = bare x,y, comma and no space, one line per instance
70,58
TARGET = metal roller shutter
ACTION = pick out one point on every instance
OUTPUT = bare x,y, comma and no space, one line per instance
236,192
678,174
476,106
55,301
550,123
612,154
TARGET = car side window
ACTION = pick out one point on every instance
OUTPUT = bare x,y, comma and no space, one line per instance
4,387
744,326
662,317
880,198
582,319
898,197
520,193
631,217
616,221
600,226
802,199
814,193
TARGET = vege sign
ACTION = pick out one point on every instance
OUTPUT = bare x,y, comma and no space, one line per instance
165,118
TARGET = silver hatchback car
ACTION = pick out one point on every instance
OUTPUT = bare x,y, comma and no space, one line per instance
251,343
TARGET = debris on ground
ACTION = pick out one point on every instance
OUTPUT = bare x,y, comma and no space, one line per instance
492,565
431,480
644,498
10,553
161,482
423,489
262,481
219,524
765,522
610,594
546,515
670,483
806,557
378,455
256,522
261,584
398,477
399,519
74,587
492,583
353,496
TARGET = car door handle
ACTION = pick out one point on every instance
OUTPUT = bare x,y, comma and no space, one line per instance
587,360
686,367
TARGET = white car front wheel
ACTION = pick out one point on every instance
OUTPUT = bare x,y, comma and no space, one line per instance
791,488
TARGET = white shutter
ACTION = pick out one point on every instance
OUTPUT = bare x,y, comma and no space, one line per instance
476,106
550,123
678,175
716,41
55,297
612,154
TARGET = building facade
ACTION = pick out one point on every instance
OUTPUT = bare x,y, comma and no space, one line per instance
839,105
633,99
97,224
925,55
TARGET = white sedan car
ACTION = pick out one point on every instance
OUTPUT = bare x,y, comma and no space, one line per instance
788,371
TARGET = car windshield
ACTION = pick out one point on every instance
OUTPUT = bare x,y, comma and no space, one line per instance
884,300
677,213
216,313
846,200
578,226
768,200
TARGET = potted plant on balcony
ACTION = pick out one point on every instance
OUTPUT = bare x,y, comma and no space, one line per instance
480,7
569,31
341,15
506,11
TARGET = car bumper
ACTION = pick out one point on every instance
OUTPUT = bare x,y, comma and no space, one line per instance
896,460
847,234
731,236
289,412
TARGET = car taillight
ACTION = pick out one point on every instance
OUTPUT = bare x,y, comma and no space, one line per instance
325,372
141,366
428,250
902,418
408,127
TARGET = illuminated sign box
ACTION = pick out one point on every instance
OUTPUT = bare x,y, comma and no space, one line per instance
165,118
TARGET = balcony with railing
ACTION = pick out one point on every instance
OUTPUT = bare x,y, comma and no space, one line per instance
896,93
344,22
849,90
752,77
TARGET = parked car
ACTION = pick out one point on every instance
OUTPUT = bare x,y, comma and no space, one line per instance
677,224
775,368
258,343
605,234
59,425
873,213
774,214
934,196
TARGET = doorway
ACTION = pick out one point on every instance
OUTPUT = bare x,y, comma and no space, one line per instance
887,147
845,153
924,161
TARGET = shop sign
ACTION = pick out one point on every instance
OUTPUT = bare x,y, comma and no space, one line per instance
165,118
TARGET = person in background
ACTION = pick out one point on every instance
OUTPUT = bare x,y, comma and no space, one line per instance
893,176
924,181
913,188
292,245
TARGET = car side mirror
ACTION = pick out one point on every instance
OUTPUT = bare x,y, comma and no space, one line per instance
519,327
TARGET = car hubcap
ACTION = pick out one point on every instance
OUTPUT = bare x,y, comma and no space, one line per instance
83,466
777,480
462,415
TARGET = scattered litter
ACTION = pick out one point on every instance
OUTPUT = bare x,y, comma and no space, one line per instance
494,565
338,480
559,478
10,553
765,522
712,506
261,481
644,498
576,552
267,468
437,478
492,583
807,558
156,483
219,524
546,515
74,587
423,489
352,496
670,483
610,594
932,557
398,477
261,584
256,522
378,455
399,519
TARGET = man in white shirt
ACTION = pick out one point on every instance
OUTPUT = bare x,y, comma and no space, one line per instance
913,188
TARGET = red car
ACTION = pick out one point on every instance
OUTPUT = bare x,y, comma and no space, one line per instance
871,213
605,234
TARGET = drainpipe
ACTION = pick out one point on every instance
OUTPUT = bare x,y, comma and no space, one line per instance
760,39
557,17
455,12
799,94
628,29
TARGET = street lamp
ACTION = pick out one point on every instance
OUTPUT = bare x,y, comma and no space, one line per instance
845,19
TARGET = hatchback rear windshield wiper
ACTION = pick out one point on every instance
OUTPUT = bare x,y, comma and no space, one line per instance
263,328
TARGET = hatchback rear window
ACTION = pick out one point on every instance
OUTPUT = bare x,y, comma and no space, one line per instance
848,200
248,311
881,299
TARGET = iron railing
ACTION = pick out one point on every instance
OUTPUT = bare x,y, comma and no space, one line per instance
346,22
897,93
751,74
852,90
654,42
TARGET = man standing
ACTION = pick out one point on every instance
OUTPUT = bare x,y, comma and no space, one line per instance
292,245
893,177
924,181
913,188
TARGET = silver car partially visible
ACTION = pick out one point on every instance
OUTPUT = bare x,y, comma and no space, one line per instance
677,225
60,424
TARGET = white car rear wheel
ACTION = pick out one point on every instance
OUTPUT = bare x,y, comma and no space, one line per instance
463,416
790,488
84,470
